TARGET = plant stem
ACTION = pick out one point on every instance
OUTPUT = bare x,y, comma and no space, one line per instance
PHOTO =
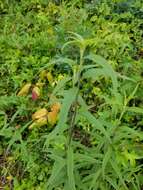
75,103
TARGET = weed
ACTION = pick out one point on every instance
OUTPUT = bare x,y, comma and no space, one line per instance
71,95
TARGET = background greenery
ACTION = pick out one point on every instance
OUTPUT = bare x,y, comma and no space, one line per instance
93,51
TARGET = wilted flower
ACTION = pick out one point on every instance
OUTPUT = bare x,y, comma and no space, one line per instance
38,123
50,77
40,113
24,90
9,178
42,116
35,93
43,74
52,117
56,107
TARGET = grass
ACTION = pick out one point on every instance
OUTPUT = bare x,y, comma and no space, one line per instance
71,95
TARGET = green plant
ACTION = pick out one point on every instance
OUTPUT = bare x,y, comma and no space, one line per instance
95,141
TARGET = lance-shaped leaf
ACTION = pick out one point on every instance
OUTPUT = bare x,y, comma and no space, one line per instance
106,71
69,97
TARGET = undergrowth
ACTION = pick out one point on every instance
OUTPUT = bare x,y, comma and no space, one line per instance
71,95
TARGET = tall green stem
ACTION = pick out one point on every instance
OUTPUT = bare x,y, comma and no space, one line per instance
75,103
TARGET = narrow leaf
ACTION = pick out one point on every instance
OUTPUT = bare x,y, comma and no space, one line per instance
95,122
70,169
69,98
106,160
58,166
108,70
135,110
60,85
117,170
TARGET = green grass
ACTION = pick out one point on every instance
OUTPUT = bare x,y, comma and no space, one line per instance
86,56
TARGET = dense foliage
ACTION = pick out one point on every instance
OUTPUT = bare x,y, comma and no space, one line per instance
71,94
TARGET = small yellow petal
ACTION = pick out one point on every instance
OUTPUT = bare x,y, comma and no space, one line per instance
52,117
56,107
10,158
43,74
41,121
38,123
24,90
32,125
37,90
9,178
50,77
40,113
40,84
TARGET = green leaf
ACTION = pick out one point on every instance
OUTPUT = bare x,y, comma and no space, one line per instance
95,122
16,137
94,183
106,159
135,110
78,181
86,158
60,85
125,77
62,60
70,169
117,170
95,73
6,132
69,97
56,172
112,182
107,69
